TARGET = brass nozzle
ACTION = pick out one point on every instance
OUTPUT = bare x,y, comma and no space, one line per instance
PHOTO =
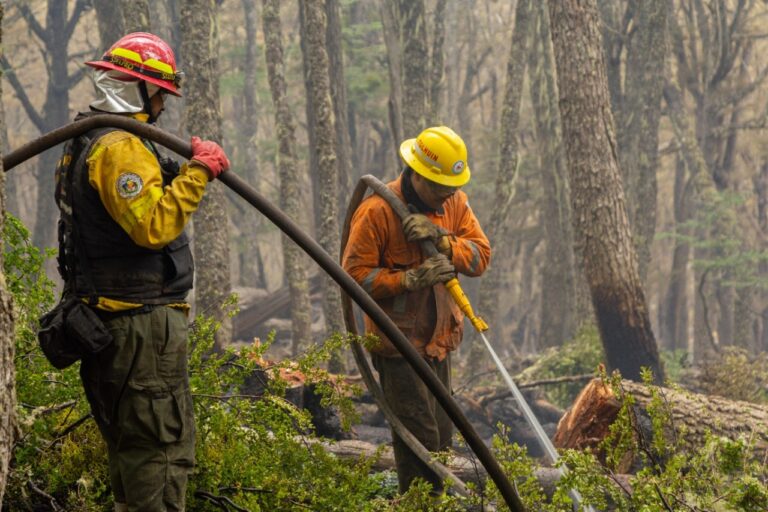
454,288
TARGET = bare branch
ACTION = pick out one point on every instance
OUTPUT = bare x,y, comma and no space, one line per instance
32,22
80,7
32,113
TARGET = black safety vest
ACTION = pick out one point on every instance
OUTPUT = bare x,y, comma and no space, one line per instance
97,258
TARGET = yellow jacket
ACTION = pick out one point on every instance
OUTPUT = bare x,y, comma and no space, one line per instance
128,178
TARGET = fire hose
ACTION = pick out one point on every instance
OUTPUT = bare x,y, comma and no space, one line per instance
315,251
454,289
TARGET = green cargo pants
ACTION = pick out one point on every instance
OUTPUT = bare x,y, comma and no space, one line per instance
413,403
138,389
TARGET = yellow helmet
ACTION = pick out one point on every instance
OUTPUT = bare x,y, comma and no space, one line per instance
439,155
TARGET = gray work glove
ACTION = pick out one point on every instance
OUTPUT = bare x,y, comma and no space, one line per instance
417,226
436,269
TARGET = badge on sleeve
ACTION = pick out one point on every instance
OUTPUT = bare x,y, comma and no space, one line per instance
129,185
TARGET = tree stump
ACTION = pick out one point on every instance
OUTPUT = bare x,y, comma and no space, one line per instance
588,420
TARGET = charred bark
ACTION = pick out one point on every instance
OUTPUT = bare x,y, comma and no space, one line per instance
601,226
290,199
200,46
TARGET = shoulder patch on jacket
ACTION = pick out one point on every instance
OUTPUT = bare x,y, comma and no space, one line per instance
129,185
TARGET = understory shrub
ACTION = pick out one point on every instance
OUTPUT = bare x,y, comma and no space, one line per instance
260,452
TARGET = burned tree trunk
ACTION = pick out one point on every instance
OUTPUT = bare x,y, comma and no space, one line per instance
199,45
319,94
285,125
601,226
7,348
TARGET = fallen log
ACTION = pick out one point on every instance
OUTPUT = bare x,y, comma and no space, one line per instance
588,420
464,468
276,304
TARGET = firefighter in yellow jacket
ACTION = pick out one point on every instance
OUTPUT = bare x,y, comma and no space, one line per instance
123,250
384,257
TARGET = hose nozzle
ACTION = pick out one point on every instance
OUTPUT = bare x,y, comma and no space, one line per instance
454,288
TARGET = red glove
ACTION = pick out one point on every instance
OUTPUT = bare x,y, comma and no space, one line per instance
210,155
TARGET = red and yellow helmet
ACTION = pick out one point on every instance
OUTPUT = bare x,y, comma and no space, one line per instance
144,56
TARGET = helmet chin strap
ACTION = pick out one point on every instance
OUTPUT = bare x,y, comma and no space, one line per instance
147,102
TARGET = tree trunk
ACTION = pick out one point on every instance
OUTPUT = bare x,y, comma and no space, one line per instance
391,29
465,469
324,148
507,171
339,95
109,18
415,70
674,311
760,183
290,190
7,345
54,37
437,71
165,24
601,227
249,271
588,420
135,15
200,47
615,16
558,288
639,134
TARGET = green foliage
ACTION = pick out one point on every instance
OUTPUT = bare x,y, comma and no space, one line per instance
255,450
581,355
736,374
258,450
722,250
721,475
67,463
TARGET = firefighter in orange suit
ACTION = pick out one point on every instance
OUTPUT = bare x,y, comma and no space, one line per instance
123,251
384,257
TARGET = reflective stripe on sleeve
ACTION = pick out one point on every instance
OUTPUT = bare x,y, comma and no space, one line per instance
475,256
367,283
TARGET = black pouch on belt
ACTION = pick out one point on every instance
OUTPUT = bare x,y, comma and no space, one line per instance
71,330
